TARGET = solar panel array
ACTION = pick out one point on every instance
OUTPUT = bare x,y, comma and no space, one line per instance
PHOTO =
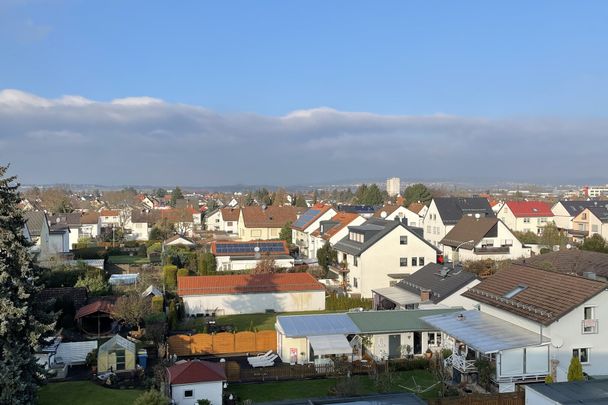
306,218
265,247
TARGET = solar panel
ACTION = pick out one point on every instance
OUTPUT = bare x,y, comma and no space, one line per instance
249,247
306,218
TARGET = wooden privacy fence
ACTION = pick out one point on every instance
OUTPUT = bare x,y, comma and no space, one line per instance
512,398
223,343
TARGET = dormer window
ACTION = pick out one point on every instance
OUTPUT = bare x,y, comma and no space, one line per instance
356,237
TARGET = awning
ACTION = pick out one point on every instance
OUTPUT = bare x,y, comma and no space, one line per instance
398,295
483,332
330,344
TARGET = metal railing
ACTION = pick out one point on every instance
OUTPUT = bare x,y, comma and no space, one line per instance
461,364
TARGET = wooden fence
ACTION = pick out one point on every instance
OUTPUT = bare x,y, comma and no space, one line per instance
223,343
512,398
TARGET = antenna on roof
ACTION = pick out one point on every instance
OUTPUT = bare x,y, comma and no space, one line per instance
383,214
477,216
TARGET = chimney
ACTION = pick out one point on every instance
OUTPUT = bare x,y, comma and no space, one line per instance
425,295
404,221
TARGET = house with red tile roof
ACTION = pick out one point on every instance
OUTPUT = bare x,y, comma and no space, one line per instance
306,224
223,220
190,381
251,293
390,212
265,223
526,216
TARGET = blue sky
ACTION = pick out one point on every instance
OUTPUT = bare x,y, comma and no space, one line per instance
423,90
474,58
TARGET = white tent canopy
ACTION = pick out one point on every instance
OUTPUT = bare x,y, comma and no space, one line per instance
398,295
330,344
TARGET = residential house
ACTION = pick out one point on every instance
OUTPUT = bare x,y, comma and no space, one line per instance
366,211
243,256
89,225
178,240
223,220
117,354
565,211
37,231
59,239
391,211
444,213
213,220
475,238
306,224
193,380
110,219
531,322
378,253
251,293
418,208
333,230
572,261
264,223
591,221
142,223
526,216
432,285
71,221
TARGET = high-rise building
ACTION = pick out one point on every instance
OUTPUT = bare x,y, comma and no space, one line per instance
393,186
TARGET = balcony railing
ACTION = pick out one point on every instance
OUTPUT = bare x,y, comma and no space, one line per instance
589,326
461,364
492,249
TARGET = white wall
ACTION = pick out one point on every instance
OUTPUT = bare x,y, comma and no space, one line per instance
562,218
214,222
434,229
413,219
535,398
255,303
285,344
140,231
457,300
204,390
225,263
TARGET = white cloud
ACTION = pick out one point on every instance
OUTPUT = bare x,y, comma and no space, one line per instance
144,140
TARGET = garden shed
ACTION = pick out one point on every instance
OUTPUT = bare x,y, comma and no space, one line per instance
117,354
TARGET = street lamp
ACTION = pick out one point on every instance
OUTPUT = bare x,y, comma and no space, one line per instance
456,251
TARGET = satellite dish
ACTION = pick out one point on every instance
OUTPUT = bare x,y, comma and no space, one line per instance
477,216
383,214
256,249
557,342
568,246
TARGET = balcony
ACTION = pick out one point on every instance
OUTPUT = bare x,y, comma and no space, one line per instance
338,268
589,326
488,250
461,364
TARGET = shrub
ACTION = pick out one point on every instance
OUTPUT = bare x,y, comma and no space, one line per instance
575,370
170,276
549,379
183,273
418,363
151,397
157,304
172,315
335,302
89,253
155,247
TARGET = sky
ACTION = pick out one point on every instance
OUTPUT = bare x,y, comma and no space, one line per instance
303,92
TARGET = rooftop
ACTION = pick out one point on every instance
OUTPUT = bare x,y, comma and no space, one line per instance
575,392
247,284
572,261
310,216
274,248
524,209
316,325
268,217
441,280
195,371
471,228
452,209
396,321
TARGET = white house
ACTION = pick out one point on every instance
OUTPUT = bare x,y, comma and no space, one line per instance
243,256
591,221
89,225
378,253
193,380
223,220
391,211
565,211
333,230
306,224
444,213
70,220
251,293
264,223
526,216
109,219
475,238
536,321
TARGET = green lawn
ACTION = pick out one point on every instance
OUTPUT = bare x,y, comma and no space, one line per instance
126,259
245,322
84,393
273,391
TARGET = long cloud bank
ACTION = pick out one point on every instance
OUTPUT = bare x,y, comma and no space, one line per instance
143,140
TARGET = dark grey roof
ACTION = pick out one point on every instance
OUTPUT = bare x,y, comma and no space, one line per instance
35,221
575,392
375,399
373,230
452,209
576,207
71,219
600,212
429,278
359,209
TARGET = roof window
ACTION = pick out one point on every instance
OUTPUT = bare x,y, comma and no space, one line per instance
515,291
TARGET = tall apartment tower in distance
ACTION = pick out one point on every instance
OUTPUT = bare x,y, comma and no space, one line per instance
393,186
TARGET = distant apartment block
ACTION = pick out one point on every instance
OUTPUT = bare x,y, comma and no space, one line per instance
595,191
393,186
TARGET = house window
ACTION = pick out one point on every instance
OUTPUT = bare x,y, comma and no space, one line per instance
589,323
507,242
428,229
188,393
582,354
355,261
414,261
434,339
584,216
421,261
403,261
526,220
515,291
355,282
594,228
217,220
120,359
229,223
403,240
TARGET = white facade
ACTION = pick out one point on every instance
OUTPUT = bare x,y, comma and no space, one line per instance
304,239
140,231
568,333
412,218
229,263
522,224
58,242
388,255
393,186
434,229
189,394
240,303
213,221
89,230
588,223
562,217
317,242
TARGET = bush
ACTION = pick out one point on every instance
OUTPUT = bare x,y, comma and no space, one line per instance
183,273
418,363
172,315
155,247
336,302
549,379
90,253
151,397
206,264
157,304
170,276
575,370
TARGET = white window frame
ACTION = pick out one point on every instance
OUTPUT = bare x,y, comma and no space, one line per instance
577,352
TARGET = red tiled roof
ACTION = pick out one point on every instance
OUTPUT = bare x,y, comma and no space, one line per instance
195,371
89,218
546,296
416,207
109,213
230,214
271,217
343,219
247,283
388,208
530,208
250,252
102,305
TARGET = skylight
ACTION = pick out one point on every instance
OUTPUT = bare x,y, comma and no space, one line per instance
515,291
